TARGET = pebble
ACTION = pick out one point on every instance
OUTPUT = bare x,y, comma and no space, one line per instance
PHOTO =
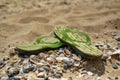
57,75
25,70
46,78
117,38
70,78
46,68
41,75
65,67
115,66
109,78
105,57
117,78
31,68
60,59
12,78
3,78
100,45
67,52
98,78
76,64
114,33
90,73
97,35
118,44
69,63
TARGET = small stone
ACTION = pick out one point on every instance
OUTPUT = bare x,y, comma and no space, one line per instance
60,59
98,78
31,68
67,52
117,78
65,67
115,66
82,74
109,78
25,70
69,63
104,63
97,35
40,69
41,75
46,68
76,64
3,78
46,78
70,78
6,58
118,44
100,46
104,57
117,38
116,52
64,79
114,33
108,46
41,55
51,52
57,75
12,52
105,33
50,60
90,73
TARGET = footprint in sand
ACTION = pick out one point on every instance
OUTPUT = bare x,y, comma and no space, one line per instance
30,19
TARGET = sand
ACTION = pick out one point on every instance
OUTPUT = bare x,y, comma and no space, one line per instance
22,21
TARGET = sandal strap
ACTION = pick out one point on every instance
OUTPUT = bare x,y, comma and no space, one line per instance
40,40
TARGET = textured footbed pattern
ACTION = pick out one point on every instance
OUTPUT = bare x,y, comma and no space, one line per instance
79,44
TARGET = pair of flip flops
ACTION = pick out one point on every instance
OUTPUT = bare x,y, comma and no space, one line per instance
78,40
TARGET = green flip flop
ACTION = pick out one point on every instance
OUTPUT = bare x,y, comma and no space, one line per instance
79,41
41,43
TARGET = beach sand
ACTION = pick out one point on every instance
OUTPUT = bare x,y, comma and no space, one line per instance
22,21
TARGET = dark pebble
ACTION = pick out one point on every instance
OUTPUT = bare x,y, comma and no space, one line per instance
13,78
70,78
16,72
46,68
69,63
57,75
117,38
10,75
25,70
109,78
31,68
16,79
10,78
104,63
104,58
117,78
65,67
115,66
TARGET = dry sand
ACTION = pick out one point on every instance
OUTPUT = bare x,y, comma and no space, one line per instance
22,21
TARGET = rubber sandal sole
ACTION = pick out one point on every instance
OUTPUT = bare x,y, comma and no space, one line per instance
42,43
80,43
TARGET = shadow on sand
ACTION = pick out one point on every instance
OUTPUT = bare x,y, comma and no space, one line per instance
95,66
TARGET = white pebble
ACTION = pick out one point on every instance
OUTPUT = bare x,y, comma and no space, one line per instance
90,73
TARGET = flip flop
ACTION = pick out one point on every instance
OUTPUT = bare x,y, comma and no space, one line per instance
79,41
41,43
